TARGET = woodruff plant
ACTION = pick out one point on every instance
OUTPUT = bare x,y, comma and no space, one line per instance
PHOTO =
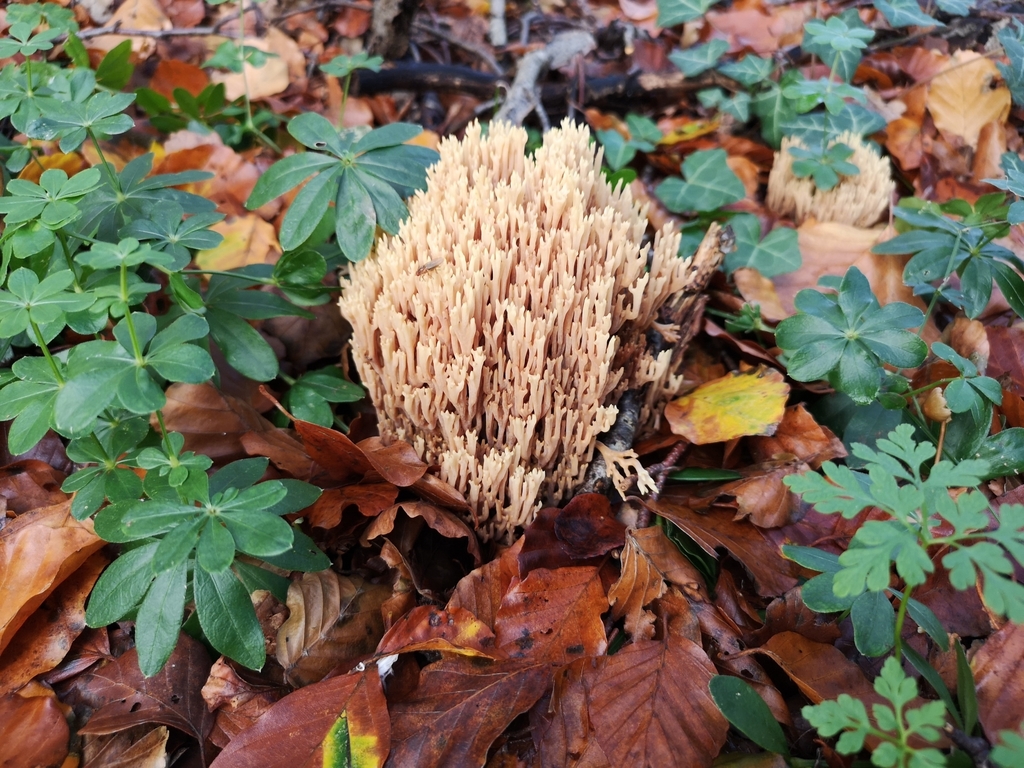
82,260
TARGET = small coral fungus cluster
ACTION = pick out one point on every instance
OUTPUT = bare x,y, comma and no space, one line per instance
498,329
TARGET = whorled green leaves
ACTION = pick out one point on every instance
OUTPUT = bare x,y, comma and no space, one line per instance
848,337
187,536
364,176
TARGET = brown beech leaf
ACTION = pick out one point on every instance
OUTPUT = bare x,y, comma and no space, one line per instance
38,551
284,451
773,574
761,496
340,457
480,591
370,498
554,615
798,435
819,670
427,628
1006,359
397,463
438,491
301,730
140,747
999,675
586,526
961,98
213,423
44,640
441,520
28,484
648,705
238,703
640,583
460,707
172,73
33,730
124,698
333,620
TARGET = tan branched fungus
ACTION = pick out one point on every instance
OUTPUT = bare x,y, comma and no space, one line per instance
857,200
498,329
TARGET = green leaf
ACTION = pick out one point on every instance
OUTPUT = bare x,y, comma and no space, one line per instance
115,70
672,13
927,671
228,619
710,184
746,712
121,586
216,549
243,347
309,208
874,624
258,533
239,474
748,71
158,623
285,175
304,556
356,221
1002,452
905,13
965,689
699,58
176,547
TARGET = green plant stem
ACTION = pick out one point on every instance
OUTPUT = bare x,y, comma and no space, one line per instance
163,433
933,385
70,261
249,125
129,322
344,99
945,281
237,275
46,351
107,167
901,615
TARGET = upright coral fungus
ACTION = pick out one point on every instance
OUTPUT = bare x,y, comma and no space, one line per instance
498,329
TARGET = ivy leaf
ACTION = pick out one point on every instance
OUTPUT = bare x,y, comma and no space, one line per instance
748,71
710,183
699,58
671,13
905,13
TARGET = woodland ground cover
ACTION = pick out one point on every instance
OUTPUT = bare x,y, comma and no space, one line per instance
209,556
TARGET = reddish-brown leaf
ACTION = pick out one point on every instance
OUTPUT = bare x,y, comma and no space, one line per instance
333,621
33,730
44,640
28,484
819,670
460,707
772,573
426,628
554,615
38,551
397,463
340,457
293,732
172,73
213,423
798,435
587,528
440,520
648,705
123,697
481,591
640,583
1007,356
999,675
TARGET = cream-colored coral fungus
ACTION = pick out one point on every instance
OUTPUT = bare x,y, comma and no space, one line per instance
858,200
497,330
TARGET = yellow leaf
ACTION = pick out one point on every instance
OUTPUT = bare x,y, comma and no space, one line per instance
962,100
247,240
742,403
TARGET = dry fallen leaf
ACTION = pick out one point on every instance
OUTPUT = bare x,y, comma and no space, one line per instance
999,675
961,98
741,403
285,66
38,551
134,14
247,240
333,620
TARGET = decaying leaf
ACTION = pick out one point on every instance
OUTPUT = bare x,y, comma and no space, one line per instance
33,728
460,707
554,615
748,403
341,721
648,704
332,620
38,551
452,631
962,100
